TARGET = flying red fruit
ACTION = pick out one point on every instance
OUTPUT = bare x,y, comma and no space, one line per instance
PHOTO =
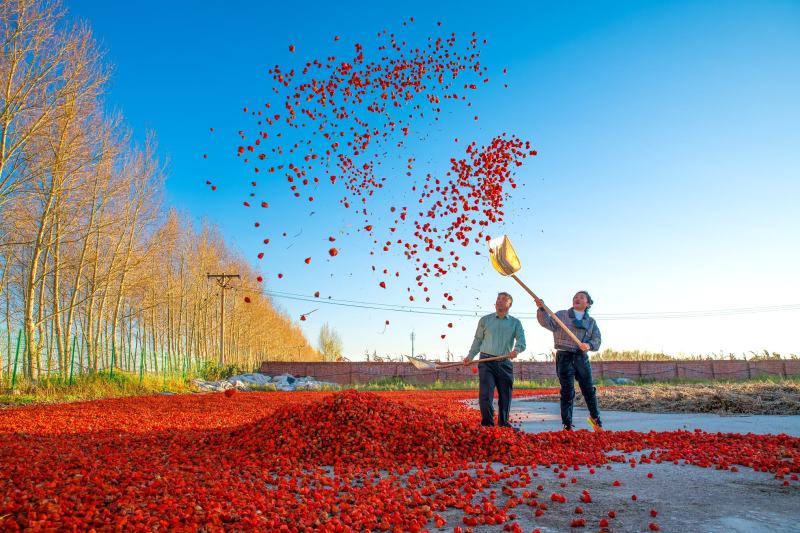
247,299
291,48
303,317
333,252
308,260
382,284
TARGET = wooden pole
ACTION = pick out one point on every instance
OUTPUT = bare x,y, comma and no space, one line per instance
223,280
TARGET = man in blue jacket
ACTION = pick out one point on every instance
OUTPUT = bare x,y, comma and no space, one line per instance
572,361
497,334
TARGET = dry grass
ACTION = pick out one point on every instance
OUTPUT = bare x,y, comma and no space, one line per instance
762,398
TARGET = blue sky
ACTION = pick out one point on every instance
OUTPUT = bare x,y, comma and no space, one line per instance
667,178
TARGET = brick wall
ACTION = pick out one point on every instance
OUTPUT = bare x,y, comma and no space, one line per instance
349,373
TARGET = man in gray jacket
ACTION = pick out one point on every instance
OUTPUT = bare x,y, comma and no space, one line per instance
572,361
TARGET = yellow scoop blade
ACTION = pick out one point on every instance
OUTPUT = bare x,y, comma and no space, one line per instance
503,257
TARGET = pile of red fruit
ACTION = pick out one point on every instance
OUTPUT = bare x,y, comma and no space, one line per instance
296,461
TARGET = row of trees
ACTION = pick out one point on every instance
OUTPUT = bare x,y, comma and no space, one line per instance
95,273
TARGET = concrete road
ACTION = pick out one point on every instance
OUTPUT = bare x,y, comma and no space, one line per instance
538,416
687,498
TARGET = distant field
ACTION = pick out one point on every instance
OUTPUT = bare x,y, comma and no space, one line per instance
760,397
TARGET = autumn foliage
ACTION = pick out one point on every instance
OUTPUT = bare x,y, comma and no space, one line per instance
95,271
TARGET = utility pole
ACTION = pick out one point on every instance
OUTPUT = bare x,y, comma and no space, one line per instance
223,280
413,336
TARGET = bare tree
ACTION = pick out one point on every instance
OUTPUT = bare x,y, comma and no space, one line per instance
330,343
98,273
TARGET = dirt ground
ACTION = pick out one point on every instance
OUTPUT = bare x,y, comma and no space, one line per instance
724,399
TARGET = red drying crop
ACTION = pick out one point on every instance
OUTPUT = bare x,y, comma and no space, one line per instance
267,461
349,113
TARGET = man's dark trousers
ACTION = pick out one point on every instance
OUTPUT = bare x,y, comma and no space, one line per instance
569,367
493,374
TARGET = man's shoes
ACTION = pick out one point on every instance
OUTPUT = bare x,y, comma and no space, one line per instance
595,423
567,427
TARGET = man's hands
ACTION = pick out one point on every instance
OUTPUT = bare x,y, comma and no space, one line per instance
584,347
467,361
539,302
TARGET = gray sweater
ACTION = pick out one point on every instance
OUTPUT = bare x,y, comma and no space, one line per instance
586,330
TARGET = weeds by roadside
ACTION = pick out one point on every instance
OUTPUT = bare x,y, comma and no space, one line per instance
93,387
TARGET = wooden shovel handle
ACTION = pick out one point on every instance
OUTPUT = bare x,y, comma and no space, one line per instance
549,312
449,365
474,361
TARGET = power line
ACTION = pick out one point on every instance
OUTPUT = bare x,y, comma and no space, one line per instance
399,308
